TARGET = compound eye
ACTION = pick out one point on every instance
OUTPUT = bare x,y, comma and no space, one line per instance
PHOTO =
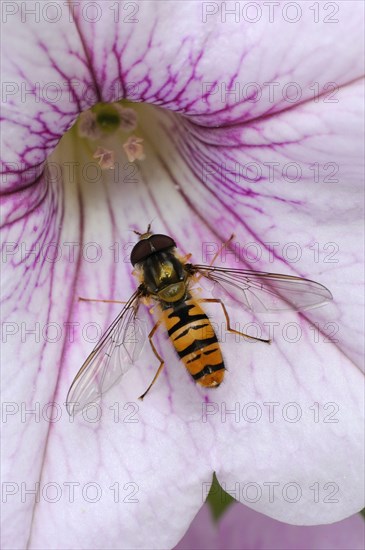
162,242
140,252
145,247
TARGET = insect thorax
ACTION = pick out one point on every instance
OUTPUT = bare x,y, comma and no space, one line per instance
164,276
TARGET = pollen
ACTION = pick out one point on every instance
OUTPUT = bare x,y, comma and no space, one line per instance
87,126
106,158
134,149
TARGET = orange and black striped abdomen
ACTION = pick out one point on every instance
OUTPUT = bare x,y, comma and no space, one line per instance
195,341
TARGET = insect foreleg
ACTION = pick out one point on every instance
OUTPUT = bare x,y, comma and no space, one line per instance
103,301
229,328
162,362
198,277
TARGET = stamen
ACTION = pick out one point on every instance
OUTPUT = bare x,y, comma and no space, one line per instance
128,118
134,148
106,158
87,126
104,123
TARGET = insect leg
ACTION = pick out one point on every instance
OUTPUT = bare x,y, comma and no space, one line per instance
229,328
186,258
162,362
198,277
103,301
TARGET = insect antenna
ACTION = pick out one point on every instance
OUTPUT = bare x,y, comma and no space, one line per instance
145,232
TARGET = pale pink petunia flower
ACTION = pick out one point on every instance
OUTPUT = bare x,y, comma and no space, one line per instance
252,124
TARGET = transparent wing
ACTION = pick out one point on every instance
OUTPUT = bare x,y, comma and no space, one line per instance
264,292
111,358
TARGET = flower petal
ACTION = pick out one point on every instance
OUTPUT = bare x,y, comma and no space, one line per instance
312,367
73,213
86,58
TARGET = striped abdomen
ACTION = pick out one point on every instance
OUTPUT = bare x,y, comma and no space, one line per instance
195,341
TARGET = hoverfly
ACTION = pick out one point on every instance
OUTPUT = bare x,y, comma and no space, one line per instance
167,280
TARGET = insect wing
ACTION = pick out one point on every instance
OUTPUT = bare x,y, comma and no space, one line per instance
264,292
111,358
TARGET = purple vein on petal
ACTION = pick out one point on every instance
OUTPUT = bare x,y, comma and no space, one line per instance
64,347
87,53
